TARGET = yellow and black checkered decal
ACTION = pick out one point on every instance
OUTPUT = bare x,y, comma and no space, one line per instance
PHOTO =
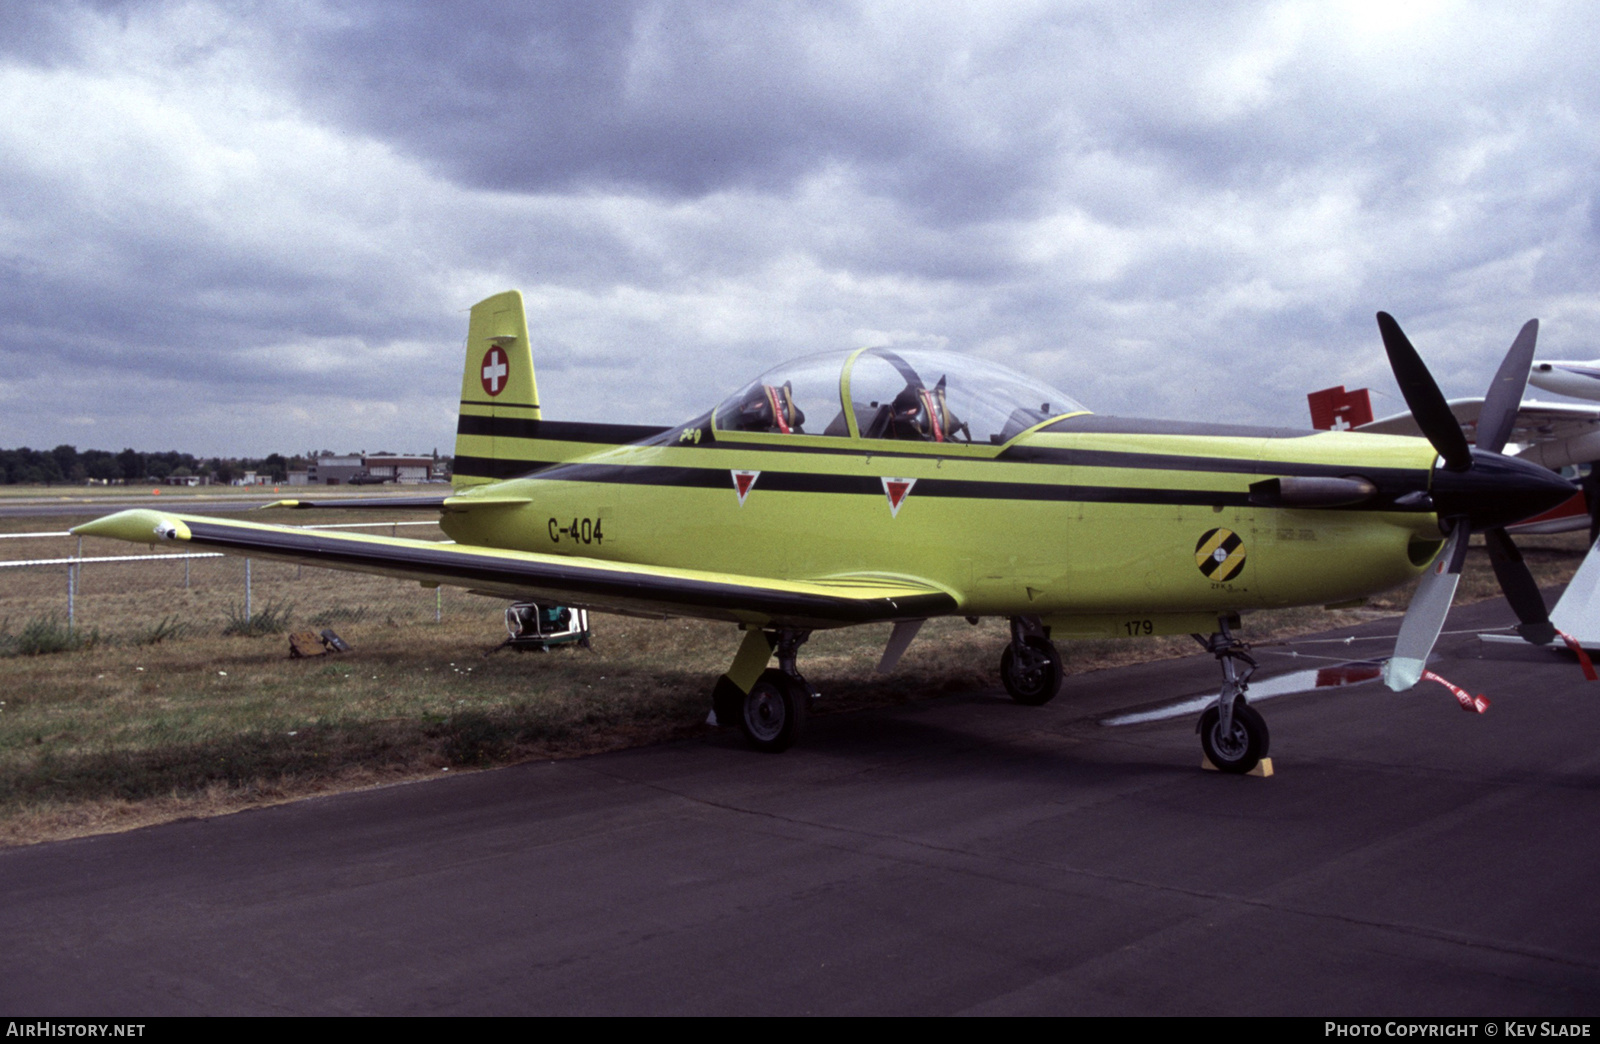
1220,554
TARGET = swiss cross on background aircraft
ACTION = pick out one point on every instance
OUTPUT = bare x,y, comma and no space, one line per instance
1006,498
1334,409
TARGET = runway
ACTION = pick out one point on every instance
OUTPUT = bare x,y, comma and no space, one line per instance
962,855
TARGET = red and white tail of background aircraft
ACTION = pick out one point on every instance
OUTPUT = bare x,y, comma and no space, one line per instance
1561,436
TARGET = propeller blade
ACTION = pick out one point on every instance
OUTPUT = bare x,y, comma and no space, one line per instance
1422,395
1425,617
1522,591
1505,391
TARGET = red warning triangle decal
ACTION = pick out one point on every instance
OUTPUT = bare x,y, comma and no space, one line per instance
742,481
897,489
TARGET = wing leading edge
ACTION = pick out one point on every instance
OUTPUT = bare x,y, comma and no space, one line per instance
585,582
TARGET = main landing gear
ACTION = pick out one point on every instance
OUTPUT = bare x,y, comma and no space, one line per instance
1030,667
1233,735
771,711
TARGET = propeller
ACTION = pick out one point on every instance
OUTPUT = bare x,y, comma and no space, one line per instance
1474,490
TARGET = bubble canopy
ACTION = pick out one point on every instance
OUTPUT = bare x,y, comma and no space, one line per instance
908,394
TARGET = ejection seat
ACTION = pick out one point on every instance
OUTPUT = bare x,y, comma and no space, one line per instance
769,408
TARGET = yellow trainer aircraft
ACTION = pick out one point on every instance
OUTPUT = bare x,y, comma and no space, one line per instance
897,485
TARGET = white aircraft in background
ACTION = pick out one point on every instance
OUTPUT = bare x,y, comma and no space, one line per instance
1560,436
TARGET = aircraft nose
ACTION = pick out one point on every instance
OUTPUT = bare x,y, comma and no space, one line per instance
1497,490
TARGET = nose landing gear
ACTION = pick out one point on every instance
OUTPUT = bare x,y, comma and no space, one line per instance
1233,734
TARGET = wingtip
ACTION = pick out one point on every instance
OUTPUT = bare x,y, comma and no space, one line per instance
139,525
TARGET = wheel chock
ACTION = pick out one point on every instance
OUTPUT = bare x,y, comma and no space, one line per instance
1263,767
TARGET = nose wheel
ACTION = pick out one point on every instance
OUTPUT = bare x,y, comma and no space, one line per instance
1233,734
1239,747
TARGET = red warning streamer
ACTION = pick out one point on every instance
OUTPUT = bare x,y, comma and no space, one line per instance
1583,657
1468,702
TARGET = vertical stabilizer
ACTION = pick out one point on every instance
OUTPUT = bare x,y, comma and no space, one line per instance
498,394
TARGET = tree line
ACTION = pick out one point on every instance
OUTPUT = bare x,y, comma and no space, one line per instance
65,465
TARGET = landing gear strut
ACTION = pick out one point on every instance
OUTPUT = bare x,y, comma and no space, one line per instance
1232,733
1030,667
772,713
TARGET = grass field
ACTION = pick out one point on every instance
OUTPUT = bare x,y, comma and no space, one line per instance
127,732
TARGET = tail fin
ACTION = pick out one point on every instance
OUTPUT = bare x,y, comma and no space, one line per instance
498,392
500,434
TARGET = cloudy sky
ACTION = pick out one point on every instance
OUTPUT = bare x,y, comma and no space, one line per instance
236,228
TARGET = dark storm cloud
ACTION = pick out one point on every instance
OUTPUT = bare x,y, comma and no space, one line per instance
678,100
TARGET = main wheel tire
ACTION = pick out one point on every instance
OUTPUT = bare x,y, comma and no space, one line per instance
772,712
1245,745
1033,678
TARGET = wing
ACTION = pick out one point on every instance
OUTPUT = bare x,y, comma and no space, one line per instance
570,580
1536,422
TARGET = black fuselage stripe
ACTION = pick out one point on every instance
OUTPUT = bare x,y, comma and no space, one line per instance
467,466
872,485
555,431
1383,478
501,404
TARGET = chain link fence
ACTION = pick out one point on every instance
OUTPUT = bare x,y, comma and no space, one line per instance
55,583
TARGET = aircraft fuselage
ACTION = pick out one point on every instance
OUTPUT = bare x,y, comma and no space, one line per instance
1103,525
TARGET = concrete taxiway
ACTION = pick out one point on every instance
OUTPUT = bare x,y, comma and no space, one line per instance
962,855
